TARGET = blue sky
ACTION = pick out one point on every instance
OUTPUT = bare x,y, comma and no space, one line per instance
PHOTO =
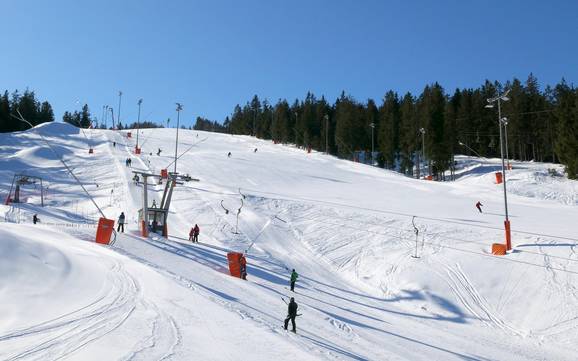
211,55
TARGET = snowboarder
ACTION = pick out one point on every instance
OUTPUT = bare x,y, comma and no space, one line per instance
159,152
120,223
229,155
294,276
479,206
35,219
243,262
291,314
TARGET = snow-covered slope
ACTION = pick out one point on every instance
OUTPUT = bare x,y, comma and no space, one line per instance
345,227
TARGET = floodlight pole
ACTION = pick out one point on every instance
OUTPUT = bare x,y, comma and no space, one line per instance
179,108
326,133
372,125
501,121
119,100
422,131
138,125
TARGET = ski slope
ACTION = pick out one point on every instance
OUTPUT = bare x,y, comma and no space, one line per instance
345,227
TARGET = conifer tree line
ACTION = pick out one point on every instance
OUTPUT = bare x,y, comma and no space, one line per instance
33,110
542,125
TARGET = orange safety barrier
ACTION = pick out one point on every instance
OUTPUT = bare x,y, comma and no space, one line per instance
234,259
508,235
164,173
498,249
429,177
136,150
104,230
129,135
498,177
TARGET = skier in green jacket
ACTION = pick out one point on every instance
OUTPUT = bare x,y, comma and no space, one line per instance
294,276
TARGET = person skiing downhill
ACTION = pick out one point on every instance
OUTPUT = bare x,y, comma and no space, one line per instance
120,222
291,314
479,206
294,276
159,152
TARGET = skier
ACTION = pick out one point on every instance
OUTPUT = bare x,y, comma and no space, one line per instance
243,262
294,276
154,203
159,152
291,314
479,206
114,144
136,179
35,219
255,151
120,222
229,155
196,232
129,162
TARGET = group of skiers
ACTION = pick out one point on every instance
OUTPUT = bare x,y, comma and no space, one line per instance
292,305
128,162
194,234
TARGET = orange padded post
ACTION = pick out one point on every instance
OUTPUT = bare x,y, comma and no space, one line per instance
499,249
165,231
129,135
234,259
104,230
498,177
144,231
164,173
508,235
136,150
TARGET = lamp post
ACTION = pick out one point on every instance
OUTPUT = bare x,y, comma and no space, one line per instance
372,125
119,99
295,129
476,153
422,131
504,121
491,102
112,116
326,133
179,108
136,148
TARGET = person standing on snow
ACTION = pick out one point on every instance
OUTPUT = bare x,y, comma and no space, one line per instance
291,314
196,232
294,276
120,223
243,262
35,219
479,206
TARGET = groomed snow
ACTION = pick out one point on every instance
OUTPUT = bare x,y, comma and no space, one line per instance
345,227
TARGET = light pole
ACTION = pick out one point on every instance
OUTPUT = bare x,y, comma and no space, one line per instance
504,121
106,116
491,101
422,131
119,99
136,148
326,133
179,108
112,116
295,129
372,125
476,153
